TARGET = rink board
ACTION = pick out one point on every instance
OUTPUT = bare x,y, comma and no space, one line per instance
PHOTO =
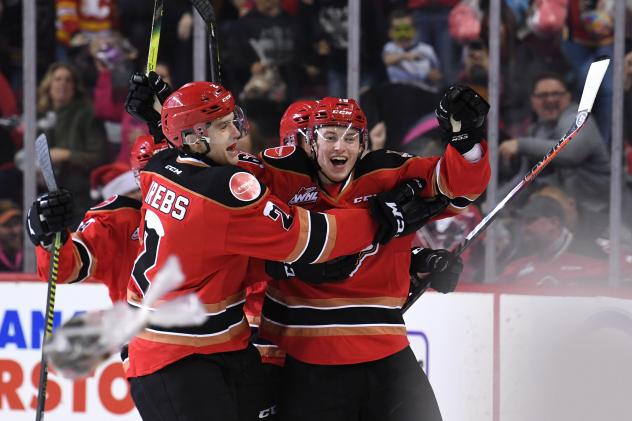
491,354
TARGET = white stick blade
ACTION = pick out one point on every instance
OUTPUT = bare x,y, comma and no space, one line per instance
42,158
595,75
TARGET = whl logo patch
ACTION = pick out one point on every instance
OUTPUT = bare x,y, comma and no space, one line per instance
305,195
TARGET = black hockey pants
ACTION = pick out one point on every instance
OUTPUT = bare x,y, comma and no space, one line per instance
226,386
394,388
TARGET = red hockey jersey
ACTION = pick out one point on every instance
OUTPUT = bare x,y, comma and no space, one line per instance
212,218
358,319
102,249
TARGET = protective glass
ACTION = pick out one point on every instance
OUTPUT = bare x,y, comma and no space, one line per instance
331,134
241,121
198,132
194,134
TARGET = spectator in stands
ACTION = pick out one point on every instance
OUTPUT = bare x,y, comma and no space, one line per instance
113,179
406,60
9,113
113,57
260,54
10,237
582,169
521,60
591,35
83,18
10,175
431,20
176,47
553,254
76,138
322,38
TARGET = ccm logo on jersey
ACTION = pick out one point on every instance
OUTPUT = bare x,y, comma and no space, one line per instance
167,201
362,198
265,413
305,195
173,169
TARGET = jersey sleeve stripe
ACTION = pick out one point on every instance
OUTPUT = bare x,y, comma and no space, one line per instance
317,240
331,239
441,186
303,238
85,259
458,203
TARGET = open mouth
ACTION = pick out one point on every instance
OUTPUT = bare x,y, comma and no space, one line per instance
232,148
338,161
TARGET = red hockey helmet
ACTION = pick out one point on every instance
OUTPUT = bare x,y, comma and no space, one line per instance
195,102
331,111
142,150
294,121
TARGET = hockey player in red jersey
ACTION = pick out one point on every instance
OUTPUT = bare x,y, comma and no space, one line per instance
104,246
346,341
212,215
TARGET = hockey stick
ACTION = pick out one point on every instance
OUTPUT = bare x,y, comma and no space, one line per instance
595,75
205,9
82,343
42,156
154,39
154,43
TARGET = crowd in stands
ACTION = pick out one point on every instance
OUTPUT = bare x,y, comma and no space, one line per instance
276,51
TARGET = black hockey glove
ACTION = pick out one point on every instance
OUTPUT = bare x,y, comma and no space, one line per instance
333,270
401,211
49,213
140,100
444,268
462,113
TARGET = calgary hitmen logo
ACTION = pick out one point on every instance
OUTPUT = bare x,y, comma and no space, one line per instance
305,195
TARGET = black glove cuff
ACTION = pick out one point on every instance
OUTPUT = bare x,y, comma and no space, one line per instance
279,270
156,132
465,140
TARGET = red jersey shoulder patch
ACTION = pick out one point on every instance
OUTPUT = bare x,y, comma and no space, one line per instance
244,186
279,152
105,202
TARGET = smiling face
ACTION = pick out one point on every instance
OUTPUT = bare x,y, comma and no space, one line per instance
549,99
62,87
221,135
337,151
11,234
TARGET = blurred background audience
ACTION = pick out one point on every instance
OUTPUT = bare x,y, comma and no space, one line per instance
277,51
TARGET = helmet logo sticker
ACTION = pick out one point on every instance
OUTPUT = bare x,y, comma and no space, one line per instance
244,186
279,152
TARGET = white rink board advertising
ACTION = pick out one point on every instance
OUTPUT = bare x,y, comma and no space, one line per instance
453,335
100,397
565,359
557,358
